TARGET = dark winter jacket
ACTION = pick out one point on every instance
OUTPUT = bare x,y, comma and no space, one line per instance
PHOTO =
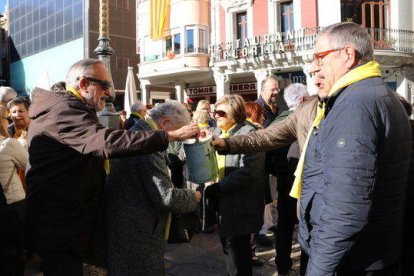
241,201
65,182
355,175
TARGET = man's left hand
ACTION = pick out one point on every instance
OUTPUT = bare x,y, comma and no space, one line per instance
186,132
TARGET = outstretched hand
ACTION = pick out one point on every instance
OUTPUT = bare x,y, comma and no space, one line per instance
219,143
186,132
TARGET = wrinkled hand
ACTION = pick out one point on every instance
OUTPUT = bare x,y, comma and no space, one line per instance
219,143
197,196
181,134
212,191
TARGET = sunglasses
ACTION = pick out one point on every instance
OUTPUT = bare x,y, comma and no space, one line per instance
319,56
105,85
220,113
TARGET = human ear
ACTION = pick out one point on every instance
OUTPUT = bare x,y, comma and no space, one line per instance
352,57
83,84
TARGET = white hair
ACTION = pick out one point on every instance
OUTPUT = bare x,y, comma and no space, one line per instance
294,93
138,106
176,111
7,93
81,68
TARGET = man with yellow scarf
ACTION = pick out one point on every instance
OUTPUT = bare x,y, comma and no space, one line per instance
352,175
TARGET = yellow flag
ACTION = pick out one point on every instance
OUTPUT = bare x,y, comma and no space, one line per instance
159,18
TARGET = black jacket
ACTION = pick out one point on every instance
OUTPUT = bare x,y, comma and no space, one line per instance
354,180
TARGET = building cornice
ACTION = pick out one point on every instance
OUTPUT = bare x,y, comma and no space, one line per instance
235,5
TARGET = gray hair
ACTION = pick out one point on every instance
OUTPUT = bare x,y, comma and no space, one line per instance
7,93
294,93
268,79
138,106
172,109
349,33
81,68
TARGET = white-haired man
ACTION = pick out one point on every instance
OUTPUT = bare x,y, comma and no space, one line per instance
138,112
67,150
354,164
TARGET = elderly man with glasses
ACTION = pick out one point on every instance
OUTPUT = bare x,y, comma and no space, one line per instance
352,174
68,151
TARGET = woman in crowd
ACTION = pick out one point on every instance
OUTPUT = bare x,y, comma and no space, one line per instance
254,114
239,190
19,114
205,105
13,156
140,194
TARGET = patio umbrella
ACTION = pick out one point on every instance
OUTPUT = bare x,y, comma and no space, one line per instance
130,91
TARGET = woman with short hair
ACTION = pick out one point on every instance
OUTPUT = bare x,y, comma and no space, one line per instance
239,190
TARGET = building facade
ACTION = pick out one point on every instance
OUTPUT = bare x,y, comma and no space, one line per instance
49,36
251,40
4,51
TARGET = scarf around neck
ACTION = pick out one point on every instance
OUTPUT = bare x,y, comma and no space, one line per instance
365,71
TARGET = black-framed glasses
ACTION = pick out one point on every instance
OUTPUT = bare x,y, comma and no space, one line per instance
320,55
105,85
220,113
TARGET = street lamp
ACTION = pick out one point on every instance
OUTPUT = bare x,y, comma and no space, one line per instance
108,116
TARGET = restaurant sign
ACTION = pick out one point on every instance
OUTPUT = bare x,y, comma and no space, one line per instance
211,90
254,47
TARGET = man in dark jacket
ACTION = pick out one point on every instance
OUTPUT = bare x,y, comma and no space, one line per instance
267,99
356,163
67,150
138,112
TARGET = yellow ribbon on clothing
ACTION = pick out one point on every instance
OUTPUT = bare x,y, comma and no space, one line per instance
138,115
368,70
201,125
106,164
221,159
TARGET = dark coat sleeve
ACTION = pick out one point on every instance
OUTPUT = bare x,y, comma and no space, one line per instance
79,128
349,178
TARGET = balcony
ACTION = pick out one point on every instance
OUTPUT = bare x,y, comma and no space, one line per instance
388,44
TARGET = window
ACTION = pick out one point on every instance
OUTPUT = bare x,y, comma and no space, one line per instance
202,42
368,13
177,44
151,49
241,26
189,46
286,17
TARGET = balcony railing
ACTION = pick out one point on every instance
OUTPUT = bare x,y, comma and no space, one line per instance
304,40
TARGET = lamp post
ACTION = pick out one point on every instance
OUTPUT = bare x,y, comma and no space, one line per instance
107,116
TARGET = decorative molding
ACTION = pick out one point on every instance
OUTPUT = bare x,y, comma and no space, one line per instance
231,6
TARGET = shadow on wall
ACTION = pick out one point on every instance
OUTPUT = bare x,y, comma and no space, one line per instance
17,73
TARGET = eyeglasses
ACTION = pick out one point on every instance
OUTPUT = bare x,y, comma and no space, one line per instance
220,113
319,56
105,85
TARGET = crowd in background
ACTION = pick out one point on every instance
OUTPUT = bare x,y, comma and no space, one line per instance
108,197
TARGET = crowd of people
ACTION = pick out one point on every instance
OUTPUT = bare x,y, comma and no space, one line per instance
75,192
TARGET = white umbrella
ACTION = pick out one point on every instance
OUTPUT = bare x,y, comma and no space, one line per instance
130,91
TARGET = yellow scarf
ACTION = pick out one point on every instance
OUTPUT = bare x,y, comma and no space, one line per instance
221,159
74,92
106,164
151,123
138,115
201,125
368,70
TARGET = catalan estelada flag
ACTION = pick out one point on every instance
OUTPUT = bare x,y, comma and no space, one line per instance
159,18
